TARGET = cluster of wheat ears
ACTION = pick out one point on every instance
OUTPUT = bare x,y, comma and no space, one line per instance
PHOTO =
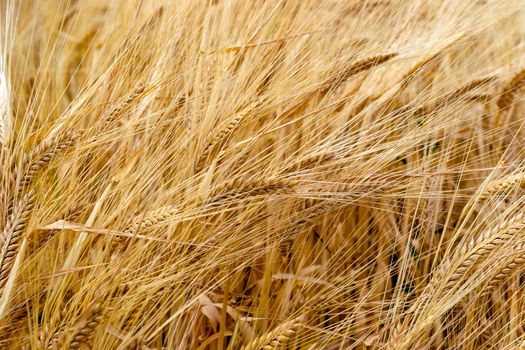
238,174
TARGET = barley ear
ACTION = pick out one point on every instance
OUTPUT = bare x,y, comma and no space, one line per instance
83,333
41,156
356,67
224,134
242,188
12,235
277,337
508,94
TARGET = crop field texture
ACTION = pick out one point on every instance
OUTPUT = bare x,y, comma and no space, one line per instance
262,174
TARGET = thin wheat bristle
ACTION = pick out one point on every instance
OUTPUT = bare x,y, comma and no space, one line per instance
6,123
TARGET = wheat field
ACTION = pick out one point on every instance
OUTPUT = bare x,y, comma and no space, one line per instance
262,174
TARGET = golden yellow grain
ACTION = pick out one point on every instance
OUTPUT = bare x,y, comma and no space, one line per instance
277,337
222,136
12,236
510,89
83,333
242,188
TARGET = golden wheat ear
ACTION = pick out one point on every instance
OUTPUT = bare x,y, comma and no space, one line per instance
505,272
455,95
78,335
449,274
40,157
218,140
141,223
48,337
508,93
243,188
356,67
277,337
12,236
308,162
502,185
152,218
124,105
